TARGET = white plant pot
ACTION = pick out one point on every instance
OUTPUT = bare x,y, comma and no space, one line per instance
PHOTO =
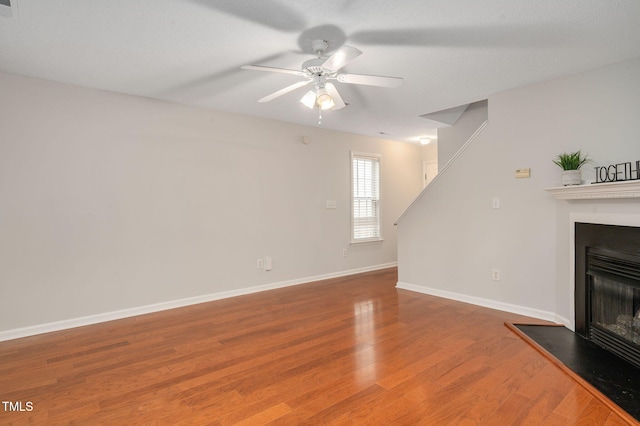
571,177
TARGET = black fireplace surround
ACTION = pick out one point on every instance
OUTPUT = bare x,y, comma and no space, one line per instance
607,287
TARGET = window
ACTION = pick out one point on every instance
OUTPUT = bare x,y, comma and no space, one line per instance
365,187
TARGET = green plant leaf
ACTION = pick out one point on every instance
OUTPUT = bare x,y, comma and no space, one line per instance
571,161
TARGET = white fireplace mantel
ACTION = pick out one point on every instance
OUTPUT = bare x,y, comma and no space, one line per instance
626,189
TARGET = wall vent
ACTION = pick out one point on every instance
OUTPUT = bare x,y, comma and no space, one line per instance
9,9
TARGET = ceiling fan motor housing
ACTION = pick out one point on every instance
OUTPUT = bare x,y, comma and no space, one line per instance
314,66
319,81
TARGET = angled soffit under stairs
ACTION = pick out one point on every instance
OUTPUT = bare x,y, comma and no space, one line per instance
9,9
449,117
446,117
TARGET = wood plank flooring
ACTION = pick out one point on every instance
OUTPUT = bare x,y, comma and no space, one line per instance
351,350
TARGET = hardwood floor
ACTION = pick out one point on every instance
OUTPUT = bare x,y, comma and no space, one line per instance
352,350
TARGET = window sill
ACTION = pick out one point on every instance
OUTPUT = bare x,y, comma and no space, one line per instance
367,241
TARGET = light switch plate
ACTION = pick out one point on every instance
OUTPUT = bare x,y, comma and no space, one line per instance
330,204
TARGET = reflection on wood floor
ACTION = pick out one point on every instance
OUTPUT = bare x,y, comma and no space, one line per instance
352,350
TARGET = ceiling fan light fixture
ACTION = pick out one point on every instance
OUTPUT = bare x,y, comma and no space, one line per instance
324,99
309,100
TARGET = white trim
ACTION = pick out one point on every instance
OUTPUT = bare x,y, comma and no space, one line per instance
564,321
365,155
172,304
626,189
366,241
600,219
492,304
444,169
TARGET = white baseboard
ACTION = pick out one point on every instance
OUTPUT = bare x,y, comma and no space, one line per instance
564,321
172,304
487,303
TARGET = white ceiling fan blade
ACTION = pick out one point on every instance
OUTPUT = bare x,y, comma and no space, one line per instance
337,99
273,69
370,80
284,91
341,57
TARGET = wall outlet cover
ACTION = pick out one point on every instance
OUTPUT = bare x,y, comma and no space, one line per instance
495,274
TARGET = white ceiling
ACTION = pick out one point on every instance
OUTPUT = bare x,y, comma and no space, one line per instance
449,52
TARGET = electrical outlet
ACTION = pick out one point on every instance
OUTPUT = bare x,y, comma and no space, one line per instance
344,252
259,264
495,202
495,274
268,264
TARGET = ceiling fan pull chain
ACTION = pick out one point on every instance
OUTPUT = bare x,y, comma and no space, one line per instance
319,115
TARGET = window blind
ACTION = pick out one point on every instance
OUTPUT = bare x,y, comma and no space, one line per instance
366,197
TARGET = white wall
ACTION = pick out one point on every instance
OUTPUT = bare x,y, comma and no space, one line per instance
110,202
430,152
450,241
451,139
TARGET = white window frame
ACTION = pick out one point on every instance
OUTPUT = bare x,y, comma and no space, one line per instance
372,157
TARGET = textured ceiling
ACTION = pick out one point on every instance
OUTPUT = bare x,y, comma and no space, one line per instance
449,52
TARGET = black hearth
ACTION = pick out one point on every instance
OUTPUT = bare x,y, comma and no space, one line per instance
607,287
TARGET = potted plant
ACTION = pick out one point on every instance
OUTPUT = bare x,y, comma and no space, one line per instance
570,163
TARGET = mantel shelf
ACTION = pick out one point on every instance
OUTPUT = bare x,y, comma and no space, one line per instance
626,189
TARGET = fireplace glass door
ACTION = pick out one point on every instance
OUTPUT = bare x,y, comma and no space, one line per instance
614,294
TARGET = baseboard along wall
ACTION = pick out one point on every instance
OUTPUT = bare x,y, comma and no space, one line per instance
172,304
487,303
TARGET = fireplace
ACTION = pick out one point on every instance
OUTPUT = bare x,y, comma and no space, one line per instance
607,287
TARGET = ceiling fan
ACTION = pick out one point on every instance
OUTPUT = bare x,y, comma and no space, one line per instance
319,71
